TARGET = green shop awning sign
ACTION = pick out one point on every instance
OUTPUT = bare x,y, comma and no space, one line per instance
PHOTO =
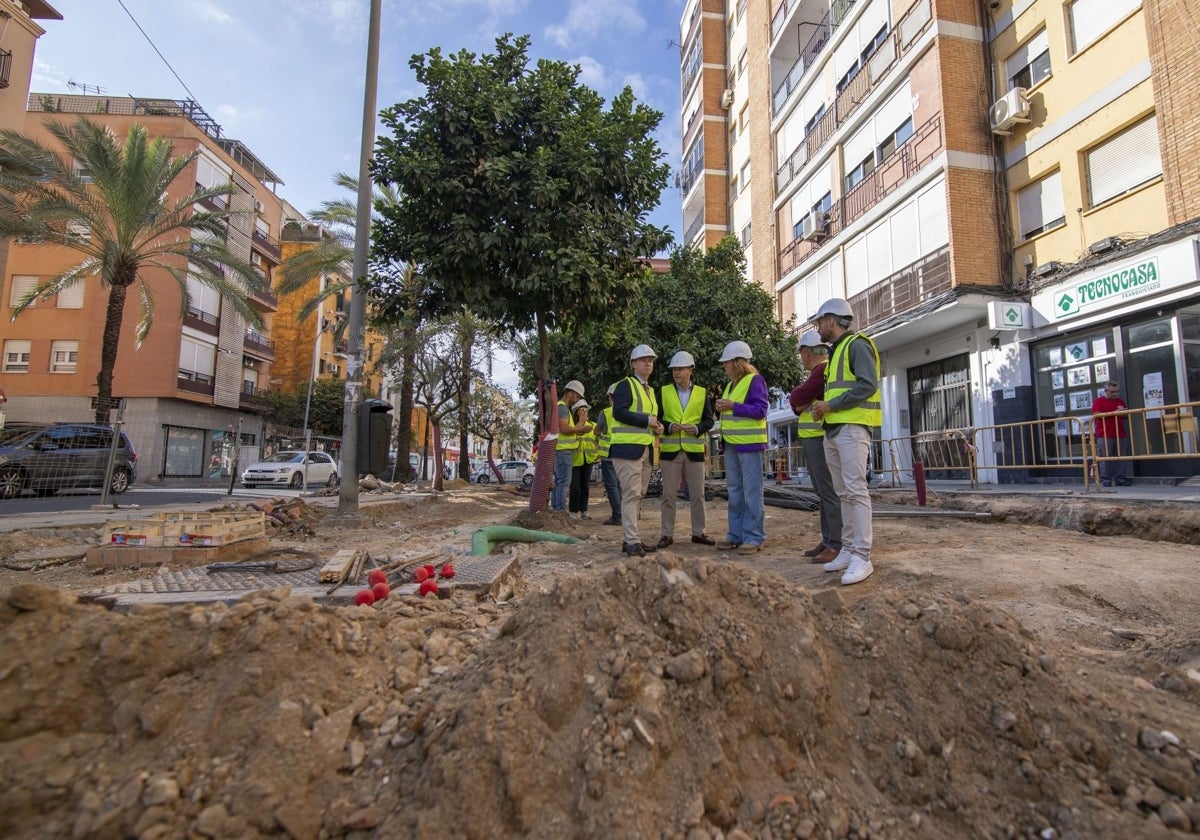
1109,289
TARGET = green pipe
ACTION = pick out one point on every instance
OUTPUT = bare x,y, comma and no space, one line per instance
486,539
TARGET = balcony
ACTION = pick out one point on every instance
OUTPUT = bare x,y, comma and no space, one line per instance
693,168
907,288
266,244
5,67
252,399
259,345
897,168
205,322
898,43
264,296
195,383
808,56
694,228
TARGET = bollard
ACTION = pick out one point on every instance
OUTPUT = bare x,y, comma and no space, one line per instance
919,478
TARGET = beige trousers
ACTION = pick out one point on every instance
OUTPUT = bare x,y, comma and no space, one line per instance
634,478
693,472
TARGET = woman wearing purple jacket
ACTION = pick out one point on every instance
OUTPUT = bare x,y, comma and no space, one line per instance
743,409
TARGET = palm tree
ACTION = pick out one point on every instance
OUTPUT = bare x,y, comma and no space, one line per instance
108,202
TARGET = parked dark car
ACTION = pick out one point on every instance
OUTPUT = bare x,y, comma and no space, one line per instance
62,456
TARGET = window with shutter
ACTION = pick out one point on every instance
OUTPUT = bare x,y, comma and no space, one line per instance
1124,162
64,356
16,356
1040,206
1091,19
22,284
1030,63
71,298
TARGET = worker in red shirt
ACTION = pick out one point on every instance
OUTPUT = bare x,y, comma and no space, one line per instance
1112,439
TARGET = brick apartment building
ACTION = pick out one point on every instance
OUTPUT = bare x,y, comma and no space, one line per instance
932,160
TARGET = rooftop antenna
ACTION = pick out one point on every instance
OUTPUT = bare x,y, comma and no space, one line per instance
85,88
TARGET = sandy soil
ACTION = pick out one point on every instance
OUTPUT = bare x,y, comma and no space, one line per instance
995,678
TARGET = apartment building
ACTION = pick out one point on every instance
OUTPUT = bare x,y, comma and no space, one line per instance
955,169
704,176
192,389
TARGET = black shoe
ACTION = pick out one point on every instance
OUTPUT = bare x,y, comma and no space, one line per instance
649,548
664,542
633,549
612,520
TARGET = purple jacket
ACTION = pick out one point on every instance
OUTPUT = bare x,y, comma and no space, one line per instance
756,405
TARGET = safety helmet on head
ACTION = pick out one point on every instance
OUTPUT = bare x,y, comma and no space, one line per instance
574,385
641,352
810,338
581,403
736,350
834,306
682,359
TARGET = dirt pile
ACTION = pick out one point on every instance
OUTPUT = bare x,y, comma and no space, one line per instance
671,697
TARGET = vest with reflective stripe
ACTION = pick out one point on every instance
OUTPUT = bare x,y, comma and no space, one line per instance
586,453
673,412
807,427
566,441
839,379
643,403
741,429
602,440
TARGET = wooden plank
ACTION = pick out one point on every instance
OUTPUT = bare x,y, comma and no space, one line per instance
336,569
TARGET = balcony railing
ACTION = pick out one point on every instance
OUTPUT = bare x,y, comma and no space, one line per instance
193,382
895,47
907,288
216,203
267,244
5,67
816,43
259,345
200,320
264,295
693,167
896,169
694,228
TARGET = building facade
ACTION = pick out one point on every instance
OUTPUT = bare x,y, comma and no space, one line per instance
192,389
932,160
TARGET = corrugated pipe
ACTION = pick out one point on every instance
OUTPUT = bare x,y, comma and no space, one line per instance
485,539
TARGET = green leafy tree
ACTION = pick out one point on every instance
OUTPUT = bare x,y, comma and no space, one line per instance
703,303
491,412
119,220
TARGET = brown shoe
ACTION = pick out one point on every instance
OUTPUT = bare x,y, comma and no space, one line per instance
815,550
703,539
825,556
726,545
749,548
665,541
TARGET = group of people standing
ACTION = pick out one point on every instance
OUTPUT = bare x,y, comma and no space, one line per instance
643,426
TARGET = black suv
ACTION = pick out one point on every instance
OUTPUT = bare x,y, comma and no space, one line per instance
45,459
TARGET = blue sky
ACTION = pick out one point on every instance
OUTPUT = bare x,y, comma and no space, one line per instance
286,76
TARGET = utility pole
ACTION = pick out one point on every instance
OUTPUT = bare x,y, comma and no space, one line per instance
348,491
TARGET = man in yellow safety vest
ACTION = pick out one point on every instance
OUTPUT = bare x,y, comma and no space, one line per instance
814,355
635,424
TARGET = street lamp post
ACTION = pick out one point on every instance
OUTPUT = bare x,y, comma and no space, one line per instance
308,400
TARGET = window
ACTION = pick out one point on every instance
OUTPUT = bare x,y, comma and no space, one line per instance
1090,19
1030,64
741,65
1124,162
816,118
77,230
732,134
16,356
83,173
860,171
824,204
845,81
71,298
733,188
873,45
746,237
895,140
256,258
63,356
22,285
1040,206
745,176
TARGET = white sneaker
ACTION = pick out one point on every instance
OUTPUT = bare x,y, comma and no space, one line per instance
842,561
860,569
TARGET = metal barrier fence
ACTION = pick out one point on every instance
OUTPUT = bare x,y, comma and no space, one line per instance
42,459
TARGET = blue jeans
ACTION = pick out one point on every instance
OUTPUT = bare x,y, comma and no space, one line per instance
1113,472
744,481
564,460
612,489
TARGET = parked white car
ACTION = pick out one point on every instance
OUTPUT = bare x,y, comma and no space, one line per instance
286,469
513,471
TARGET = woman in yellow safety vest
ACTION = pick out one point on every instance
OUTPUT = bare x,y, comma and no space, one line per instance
743,411
581,467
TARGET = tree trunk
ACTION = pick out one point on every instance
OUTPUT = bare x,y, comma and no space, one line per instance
543,472
438,461
464,399
404,441
113,316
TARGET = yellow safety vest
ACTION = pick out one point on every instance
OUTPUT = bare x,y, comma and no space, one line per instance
807,427
586,453
741,429
643,403
567,441
602,440
673,412
839,379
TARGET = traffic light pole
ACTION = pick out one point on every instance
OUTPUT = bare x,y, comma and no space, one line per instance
348,491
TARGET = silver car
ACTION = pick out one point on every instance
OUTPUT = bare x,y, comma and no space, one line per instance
286,469
512,471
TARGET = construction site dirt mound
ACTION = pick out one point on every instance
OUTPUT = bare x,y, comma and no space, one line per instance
673,696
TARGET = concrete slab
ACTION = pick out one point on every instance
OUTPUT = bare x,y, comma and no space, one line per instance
120,556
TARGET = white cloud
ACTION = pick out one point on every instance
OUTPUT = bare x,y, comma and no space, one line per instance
209,11
233,118
47,75
346,20
588,18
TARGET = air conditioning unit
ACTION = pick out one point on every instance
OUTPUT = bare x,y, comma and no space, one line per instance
1007,112
258,206
727,98
816,227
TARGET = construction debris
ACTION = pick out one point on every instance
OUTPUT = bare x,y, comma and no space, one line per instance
289,517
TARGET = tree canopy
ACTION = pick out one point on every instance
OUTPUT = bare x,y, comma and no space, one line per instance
521,198
703,303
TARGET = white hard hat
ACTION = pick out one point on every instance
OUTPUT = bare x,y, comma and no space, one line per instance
811,338
682,359
574,385
736,350
834,306
641,352
581,403
611,389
